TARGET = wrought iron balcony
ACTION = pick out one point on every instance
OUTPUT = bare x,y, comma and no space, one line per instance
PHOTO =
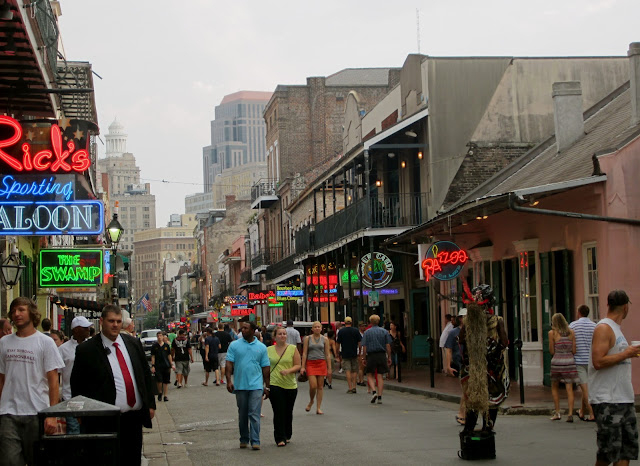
263,193
264,258
381,211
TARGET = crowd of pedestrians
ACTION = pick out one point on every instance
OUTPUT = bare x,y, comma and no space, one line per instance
39,369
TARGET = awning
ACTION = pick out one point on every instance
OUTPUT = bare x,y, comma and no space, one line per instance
86,308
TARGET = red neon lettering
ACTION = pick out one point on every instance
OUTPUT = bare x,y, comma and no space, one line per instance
37,160
80,160
26,157
430,267
13,163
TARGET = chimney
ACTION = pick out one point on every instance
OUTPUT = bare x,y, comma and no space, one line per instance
634,78
567,113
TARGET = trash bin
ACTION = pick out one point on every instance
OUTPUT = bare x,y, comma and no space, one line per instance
84,448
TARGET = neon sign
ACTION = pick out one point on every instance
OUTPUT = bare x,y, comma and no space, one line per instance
444,261
58,158
242,312
345,277
378,271
70,268
51,218
262,297
47,188
383,291
288,293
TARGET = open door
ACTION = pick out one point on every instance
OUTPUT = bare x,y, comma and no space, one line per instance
547,311
420,315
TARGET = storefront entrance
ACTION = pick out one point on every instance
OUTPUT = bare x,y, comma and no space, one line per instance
420,316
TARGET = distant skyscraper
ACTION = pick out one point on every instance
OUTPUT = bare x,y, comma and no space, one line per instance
236,157
118,169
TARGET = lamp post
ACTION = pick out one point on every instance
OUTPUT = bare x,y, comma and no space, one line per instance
12,268
114,233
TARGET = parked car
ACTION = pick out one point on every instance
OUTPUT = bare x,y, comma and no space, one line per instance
148,338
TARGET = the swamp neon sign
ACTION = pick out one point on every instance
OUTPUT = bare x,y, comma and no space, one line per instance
70,268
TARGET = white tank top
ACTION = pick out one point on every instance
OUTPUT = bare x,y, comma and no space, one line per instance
612,384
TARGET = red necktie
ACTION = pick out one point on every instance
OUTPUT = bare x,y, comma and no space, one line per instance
126,375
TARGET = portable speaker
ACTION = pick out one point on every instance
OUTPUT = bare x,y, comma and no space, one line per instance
477,445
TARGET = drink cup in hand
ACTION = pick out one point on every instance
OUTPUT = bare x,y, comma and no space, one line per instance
636,343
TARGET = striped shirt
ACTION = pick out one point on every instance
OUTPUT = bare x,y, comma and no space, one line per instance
583,328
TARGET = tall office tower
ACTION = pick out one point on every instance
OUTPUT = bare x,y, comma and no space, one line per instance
236,157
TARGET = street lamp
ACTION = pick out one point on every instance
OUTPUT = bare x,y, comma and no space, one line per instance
114,234
12,268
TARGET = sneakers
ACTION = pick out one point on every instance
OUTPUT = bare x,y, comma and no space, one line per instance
255,447
353,390
160,397
379,401
166,398
374,398
341,371
243,445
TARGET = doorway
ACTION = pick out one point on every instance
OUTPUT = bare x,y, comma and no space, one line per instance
420,317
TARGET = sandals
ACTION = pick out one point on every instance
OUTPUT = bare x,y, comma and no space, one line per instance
570,418
557,417
460,420
282,444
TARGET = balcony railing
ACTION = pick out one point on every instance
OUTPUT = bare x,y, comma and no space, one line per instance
265,257
246,276
281,267
381,211
263,187
48,27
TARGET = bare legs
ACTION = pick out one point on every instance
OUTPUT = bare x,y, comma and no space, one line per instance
555,389
585,407
316,387
351,380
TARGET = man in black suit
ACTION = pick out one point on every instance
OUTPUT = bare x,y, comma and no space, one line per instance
111,367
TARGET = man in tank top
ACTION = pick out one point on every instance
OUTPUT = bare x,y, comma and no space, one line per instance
610,389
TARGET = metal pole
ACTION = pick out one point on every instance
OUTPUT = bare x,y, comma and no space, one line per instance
115,291
518,345
432,376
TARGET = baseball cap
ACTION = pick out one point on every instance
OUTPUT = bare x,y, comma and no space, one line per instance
289,323
463,312
80,322
617,298
347,319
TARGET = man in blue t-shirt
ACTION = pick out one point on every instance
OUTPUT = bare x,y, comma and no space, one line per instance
248,369
211,348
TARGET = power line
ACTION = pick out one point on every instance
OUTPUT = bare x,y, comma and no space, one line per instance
196,184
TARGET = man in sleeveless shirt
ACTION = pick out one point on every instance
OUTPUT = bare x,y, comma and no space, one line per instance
610,389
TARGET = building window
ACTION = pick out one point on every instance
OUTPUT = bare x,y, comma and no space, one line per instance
528,296
589,253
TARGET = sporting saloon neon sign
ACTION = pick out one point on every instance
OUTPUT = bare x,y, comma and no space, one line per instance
58,159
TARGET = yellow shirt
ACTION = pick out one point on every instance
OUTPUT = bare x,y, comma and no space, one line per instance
288,381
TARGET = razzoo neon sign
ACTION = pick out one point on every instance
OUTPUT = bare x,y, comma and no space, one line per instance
444,261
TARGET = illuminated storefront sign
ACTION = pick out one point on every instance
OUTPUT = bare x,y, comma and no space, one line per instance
345,277
51,218
379,270
70,268
59,157
235,299
288,293
382,291
242,312
43,186
262,297
444,261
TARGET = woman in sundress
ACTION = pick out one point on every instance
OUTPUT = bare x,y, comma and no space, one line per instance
562,346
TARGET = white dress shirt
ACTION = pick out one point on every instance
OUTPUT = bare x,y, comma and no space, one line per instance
121,392
68,352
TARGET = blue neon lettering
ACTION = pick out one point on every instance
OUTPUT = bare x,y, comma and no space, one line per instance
46,187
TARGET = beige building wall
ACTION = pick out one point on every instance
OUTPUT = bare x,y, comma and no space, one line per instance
155,246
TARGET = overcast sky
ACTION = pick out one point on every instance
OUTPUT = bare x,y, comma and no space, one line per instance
166,64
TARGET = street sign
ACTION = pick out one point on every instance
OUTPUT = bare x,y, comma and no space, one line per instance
374,298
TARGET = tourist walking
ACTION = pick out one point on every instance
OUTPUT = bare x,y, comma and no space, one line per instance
248,369
397,348
562,347
349,346
376,346
316,363
161,365
611,392
182,355
284,361
583,329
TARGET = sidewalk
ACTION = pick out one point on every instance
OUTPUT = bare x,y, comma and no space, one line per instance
161,445
538,400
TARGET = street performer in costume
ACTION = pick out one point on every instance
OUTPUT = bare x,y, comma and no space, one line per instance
484,375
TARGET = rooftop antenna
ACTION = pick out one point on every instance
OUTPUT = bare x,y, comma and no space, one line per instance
418,27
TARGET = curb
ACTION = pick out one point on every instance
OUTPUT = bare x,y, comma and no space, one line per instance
452,398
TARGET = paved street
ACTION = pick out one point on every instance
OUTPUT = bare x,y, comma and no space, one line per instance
406,429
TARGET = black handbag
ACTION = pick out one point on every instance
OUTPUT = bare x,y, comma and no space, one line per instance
477,445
